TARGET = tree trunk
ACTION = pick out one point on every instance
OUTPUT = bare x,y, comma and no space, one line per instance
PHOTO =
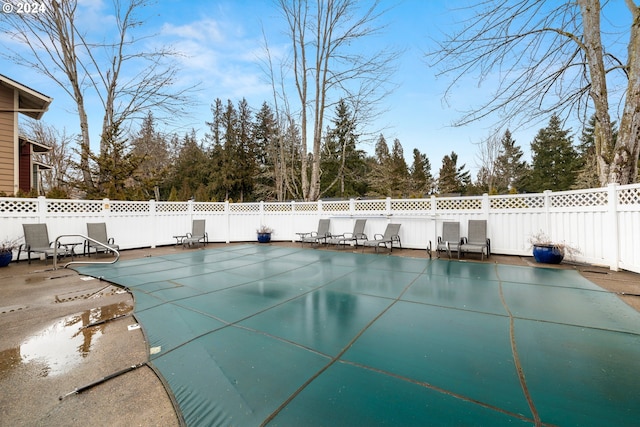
624,165
603,134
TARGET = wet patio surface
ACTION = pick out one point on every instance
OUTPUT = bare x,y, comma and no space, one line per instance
62,331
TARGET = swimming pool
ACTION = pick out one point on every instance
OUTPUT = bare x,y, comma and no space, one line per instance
268,335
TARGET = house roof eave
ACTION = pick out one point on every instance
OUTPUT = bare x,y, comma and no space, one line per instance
30,102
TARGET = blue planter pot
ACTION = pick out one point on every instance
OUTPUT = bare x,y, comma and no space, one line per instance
5,258
548,254
264,237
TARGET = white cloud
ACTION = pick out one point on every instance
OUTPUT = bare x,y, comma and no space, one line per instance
204,31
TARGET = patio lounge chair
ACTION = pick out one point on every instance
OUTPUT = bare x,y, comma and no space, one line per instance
391,235
477,240
316,237
98,231
347,238
450,240
197,235
36,239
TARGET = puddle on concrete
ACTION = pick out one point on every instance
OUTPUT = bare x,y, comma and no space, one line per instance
61,346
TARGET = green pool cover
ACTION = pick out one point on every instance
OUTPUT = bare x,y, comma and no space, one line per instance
253,335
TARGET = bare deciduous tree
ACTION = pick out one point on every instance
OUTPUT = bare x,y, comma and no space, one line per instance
128,81
487,156
550,58
328,66
61,174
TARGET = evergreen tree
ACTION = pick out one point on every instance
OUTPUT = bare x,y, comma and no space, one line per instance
246,161
453,179
511,170
225,174
342,164
114,170
269,181
399,171
587,176
190,170
420,175
380,170
555,161
153,149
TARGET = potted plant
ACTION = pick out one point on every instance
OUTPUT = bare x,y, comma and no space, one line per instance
547,251
6,251
264,234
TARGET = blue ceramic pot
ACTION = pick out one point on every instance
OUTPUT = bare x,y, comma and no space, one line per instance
5,258
548,254
264,237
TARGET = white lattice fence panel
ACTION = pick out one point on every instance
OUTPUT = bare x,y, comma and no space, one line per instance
208,207
411,206
278,207
171,207
377,207
129,208
73,206
516,202
244,207
340,207
581,199
12,206
306,207
458,204
629,196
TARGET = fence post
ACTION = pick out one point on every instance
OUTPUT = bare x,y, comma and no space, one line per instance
106,210
190,210
293,215
352,207
547,213
388,206
42,209
152,213
486,206
612,230
227,214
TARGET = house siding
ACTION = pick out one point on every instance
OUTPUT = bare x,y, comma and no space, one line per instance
7,145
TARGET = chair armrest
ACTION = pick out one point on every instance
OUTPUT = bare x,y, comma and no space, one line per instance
378,236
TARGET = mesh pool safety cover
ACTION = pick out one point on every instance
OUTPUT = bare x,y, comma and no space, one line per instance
253,335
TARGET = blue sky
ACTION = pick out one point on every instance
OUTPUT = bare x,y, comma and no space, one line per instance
222,41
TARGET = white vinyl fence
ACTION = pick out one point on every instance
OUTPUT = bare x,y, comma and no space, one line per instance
604,223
